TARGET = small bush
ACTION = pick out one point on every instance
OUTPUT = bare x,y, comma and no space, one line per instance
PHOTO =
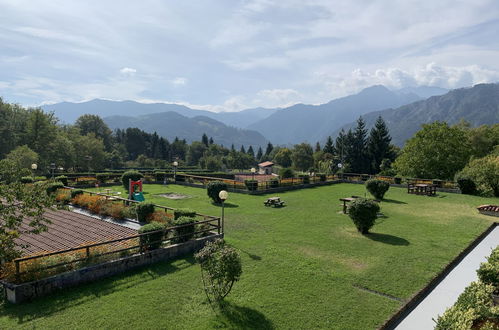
103,177
286,173
27,179
154,240
183,234
466,185
161,217
159,176
274,183
76,192
214,188
397,180
363,213
489,271
322,177
144,210
63,196
305,178
52,187
63,179
178,213
377,188
251,185
130,175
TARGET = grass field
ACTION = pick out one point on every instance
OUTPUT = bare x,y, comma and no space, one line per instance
304,266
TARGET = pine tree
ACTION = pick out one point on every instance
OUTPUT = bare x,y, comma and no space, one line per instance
317,147
360,161
269,149
204,139
329,147
378,145
251,152
259,154
232,148
211,141
242,149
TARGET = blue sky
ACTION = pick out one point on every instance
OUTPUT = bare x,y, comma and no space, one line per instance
230,55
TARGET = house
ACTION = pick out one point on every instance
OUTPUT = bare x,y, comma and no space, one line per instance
265,168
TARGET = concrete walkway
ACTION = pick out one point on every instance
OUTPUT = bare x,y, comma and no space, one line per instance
447,291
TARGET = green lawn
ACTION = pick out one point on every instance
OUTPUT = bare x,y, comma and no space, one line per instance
304,266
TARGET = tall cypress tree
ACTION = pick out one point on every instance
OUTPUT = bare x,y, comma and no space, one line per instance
360,161
378,145
329,147
211,141
259,154
317,147
204,139
251,152
269,149
242,149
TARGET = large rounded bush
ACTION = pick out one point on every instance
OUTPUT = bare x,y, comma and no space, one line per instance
151,241
363,213
130,175
214,188
377,188
466,184
184,233
286,173
144,210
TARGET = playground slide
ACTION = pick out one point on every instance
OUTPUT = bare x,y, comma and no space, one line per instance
138,196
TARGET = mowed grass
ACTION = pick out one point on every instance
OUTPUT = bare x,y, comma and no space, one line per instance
304,266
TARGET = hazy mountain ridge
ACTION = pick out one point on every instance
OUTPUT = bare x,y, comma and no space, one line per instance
478,105
171,124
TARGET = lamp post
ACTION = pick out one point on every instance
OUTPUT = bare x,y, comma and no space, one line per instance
175,164
52,168
253,170
223,195
34,167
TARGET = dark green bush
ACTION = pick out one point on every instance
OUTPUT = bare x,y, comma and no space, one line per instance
274,183
151,241
363,213
103,177
286,173
159,176
466,184
76,192
130,175
397,180
52,187
322,177
377,188
437,182
178,213
183,234
489,271
251,185
27,179
214,188
143,211
63,179
305,178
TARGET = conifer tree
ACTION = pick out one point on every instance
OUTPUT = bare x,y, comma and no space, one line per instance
243,150
378,145
317,147
360,161
204,139
259,154
329,147
251,152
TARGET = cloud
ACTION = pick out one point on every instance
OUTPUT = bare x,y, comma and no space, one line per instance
179,81
128,71
277,97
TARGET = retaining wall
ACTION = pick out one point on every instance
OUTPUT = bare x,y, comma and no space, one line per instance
18,293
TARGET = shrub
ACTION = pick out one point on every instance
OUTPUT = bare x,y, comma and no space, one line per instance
377,188
52,187
466,184
103,177
286,173
274,183
63,179
130,175
76,192
305,178
251,185
63,196
27,179
154,240
363,213
437,182
485,174
159,176
161,217
397,180
97,205
214,188
322,177
489,271
183,234
184,213
220,268
144,210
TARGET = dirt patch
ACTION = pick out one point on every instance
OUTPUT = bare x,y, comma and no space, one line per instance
174,196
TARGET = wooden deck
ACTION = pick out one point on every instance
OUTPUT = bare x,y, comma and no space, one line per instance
68,230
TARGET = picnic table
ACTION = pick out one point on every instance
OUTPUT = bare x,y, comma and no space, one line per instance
422,189
274,201
346,200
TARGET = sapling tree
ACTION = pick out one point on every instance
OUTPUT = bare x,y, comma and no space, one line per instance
20,203
220,269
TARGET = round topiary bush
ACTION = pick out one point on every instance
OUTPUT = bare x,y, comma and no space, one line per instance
377,188
184,233
363,213
214,188
286,173
130,175
466,184
153,240
144,210
251,185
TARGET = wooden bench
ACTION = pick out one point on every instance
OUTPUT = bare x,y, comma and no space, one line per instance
422,189
274,201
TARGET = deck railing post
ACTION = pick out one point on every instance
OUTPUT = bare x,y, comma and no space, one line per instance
17,269
87,250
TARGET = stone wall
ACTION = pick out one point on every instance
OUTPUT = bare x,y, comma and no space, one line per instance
17,293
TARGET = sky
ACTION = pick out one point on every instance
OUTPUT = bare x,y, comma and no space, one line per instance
229,55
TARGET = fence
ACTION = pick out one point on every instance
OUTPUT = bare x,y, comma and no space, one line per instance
87,254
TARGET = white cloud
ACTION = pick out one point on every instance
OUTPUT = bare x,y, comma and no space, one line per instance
179,81
128,71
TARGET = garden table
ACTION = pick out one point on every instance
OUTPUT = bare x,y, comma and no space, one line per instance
273,201
346,200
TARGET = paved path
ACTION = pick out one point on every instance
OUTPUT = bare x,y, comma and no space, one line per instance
446,293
